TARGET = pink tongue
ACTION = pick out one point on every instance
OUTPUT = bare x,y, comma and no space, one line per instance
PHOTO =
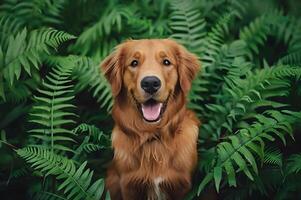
151,112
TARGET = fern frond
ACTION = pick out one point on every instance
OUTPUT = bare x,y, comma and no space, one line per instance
43,195
8,26
51,12
48,37
256,33
294,164
268,179
104,47
243,96
89,76
215,39
25,51
87,73
50,114
111,20
76,182
19,92
25,12
238,7
273,156
293,58
17,173
88,129
288,30
212,55
90,147
96,140
213,9
187,25
34,13
236,152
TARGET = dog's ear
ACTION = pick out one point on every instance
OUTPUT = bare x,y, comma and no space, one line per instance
112,69
188,67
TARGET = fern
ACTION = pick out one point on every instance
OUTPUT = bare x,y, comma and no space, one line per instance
213,9
256,33
76,182
212,78
291,59
246,95
288,31
48,196
273,157
215,39
51,12
51,109
215,57
187,25
95,140
294,164
9,26
89,76
225,149
24,12
25,51
109,21
237,150
189,28
19,92
87,73
17,173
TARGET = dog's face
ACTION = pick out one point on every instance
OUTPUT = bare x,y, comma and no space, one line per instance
150,72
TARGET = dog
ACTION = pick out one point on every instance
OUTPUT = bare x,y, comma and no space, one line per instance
155,136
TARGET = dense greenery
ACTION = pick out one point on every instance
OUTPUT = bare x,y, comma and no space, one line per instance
55,105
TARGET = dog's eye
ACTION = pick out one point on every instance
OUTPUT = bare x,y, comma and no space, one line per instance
166,62
134,63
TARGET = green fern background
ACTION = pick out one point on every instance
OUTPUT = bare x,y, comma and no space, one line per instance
55,105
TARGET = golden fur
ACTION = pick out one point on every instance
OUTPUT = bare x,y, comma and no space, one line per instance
151,160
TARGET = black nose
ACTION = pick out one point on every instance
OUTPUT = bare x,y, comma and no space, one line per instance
150,84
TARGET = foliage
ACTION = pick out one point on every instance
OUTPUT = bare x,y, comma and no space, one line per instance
50,112
76,183
55,105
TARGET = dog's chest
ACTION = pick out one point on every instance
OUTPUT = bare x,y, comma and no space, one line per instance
155,193
155,157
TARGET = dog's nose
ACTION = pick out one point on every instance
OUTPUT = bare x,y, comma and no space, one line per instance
150,84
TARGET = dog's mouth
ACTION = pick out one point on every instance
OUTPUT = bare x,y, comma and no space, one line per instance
152,110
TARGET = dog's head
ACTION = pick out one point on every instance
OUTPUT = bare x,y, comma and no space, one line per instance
150,72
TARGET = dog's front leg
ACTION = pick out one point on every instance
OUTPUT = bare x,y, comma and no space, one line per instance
133,188
113,183
175,186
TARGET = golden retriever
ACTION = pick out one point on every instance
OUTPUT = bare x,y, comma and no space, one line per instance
155,135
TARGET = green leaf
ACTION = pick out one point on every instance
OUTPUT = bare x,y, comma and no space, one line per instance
76,182
204,182
217,174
